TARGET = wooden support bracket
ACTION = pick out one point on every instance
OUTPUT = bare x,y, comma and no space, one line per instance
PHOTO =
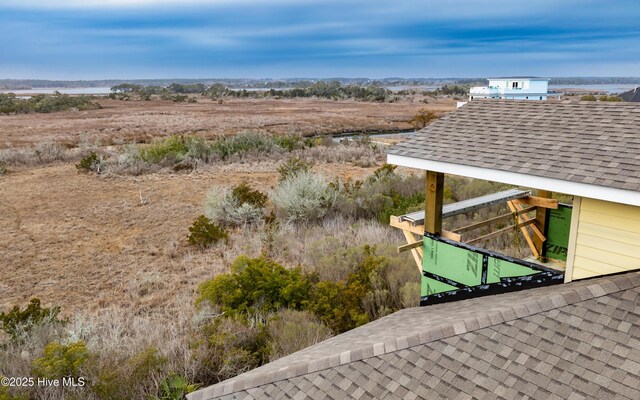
406,226
542,215
409,246
523,229
537,201
456,237
416,252
535,229
419,229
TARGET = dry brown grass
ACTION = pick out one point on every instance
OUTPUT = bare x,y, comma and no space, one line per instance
134,121
85,242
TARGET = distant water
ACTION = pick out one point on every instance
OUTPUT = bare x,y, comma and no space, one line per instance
423,88
31,92
609,88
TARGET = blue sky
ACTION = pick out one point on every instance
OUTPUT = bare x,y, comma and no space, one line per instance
95,39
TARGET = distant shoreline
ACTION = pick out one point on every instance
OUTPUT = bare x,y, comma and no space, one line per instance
105,90
281,83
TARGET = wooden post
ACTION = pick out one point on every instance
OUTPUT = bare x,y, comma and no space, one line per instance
542,215
433,202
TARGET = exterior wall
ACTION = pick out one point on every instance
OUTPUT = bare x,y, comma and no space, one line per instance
503,89
607,239
539,86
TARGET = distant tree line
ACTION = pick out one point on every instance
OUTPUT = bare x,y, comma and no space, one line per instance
453,90
593,80
327,90
45,103
248,83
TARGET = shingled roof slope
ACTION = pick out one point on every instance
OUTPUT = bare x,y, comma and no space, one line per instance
580,339
588,142
631,95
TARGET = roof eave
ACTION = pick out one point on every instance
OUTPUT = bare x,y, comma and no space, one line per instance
518,179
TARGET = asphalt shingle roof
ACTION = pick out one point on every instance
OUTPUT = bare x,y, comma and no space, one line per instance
588,142
578,340
632,95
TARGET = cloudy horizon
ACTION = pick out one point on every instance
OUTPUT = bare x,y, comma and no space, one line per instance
138,39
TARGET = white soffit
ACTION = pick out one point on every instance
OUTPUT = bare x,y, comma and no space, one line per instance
555,185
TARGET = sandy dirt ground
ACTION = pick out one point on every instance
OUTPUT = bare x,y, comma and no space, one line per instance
127,121
86,242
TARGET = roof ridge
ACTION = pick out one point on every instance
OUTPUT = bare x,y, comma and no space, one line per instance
564,297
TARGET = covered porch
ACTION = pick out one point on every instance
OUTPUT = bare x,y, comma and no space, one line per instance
453,262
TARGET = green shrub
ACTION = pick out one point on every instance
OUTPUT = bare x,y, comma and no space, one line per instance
45,103
204,233
18,321
91,163
243,142
384,172
612,98
61,360
304,197
289,142
132,378
291,330
146,364
179,98
588,97
4,391
175,387
177,149
293,166
375,286
338,304
5,394
382,194
243,193
173,147
255,287
230,346
239,206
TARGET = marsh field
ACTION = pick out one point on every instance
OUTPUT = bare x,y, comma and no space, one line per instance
85,242
171,245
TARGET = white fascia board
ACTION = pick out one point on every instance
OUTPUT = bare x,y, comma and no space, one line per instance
513,178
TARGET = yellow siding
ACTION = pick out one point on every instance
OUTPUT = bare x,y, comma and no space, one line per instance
608,239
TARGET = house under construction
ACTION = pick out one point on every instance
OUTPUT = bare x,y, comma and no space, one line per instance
590,151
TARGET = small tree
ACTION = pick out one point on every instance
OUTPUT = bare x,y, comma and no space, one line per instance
423,118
